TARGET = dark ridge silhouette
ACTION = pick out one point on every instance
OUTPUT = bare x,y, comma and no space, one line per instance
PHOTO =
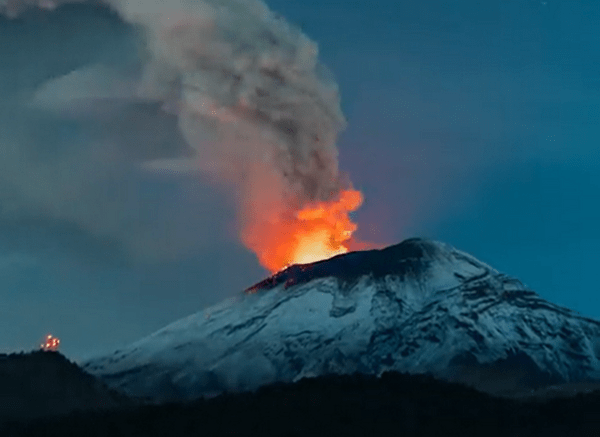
357,405
45,383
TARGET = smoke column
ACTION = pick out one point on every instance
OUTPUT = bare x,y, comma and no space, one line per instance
251,99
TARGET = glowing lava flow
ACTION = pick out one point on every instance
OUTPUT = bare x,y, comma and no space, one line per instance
316,232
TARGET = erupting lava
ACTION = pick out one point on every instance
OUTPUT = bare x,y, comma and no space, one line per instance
51,343
316,232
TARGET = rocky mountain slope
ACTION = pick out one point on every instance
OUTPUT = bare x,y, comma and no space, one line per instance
419,307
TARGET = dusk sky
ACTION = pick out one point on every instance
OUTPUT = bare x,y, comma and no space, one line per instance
473,123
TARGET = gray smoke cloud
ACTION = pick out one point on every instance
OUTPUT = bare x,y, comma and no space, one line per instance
246,90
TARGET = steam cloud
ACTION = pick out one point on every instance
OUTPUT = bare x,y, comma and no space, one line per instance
248,92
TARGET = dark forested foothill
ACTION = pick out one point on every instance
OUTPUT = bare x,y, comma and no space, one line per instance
358,405
45,384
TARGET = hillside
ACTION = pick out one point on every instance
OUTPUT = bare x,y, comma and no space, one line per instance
45,383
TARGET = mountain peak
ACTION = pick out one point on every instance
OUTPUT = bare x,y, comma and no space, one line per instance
419,306
412,258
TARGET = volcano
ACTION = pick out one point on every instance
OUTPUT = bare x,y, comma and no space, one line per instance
420,307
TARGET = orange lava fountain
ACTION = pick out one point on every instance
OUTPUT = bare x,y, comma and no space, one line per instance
318,231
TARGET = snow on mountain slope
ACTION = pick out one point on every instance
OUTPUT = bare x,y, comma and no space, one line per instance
418,307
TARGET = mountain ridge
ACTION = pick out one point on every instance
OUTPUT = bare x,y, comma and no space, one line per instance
412,256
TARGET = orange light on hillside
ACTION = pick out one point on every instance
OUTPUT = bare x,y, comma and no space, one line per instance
51,343
316,232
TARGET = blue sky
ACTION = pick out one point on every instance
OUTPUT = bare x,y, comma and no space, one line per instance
474,123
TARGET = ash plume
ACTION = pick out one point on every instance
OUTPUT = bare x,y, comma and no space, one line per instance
251,99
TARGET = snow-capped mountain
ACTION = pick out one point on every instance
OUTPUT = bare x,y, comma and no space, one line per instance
419,307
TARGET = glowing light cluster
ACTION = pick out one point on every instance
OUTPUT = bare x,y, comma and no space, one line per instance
318,231
51,343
